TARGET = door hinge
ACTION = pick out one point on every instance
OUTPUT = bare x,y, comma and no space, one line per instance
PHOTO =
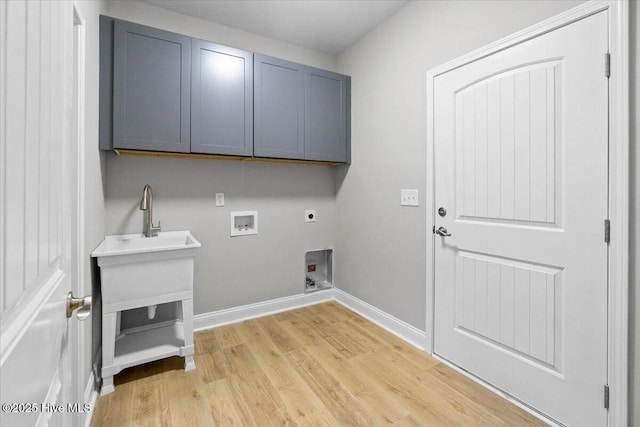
606,397
607,64
607,231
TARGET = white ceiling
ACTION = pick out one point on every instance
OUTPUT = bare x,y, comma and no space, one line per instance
328,26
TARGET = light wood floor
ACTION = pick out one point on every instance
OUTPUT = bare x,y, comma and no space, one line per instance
319,365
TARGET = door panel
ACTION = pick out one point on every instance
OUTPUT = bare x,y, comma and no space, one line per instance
325,116
221,100
504,131
34,370
38,213
151,89
521,167
278,108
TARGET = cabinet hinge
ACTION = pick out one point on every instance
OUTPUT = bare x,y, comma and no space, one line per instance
606,397
607,231
607,64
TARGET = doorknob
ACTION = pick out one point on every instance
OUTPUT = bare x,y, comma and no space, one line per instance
441,231
83,305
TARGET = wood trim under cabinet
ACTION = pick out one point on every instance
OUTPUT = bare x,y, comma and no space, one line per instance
120,152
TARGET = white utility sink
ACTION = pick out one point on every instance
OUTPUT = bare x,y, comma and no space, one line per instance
126,244
138,271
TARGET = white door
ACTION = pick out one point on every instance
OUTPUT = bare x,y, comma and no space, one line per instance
520,140
38,214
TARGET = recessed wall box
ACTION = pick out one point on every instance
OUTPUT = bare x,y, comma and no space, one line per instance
244,223
318,270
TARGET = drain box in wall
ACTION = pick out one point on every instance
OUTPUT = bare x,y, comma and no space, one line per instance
318,267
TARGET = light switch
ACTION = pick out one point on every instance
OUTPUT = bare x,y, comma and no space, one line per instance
408,197
219,199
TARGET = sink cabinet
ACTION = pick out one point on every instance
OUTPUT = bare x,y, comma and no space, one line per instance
139,272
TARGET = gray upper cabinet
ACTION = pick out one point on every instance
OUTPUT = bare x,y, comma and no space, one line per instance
165,92
325,115
151,89
221,100
278,108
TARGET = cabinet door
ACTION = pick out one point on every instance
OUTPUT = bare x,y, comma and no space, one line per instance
278,108
221,100
151,89
326,116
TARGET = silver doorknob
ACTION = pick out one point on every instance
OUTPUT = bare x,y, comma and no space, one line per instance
441,231
83,305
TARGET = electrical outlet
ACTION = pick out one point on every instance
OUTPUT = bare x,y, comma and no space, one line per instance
310,215
219,199
408,197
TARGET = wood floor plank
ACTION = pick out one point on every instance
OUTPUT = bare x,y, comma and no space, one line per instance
321,365
145,407
226,336
344,407
228,408
213,366
261,397
365,389
329,329
407,393
298,398
190,402
284,341
489,401
304,334
408,421
206,342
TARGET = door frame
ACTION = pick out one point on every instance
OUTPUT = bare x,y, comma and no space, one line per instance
83,392
618,276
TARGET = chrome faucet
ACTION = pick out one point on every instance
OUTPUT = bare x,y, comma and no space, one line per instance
146,204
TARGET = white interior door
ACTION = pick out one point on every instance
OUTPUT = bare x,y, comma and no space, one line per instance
39,214
520,148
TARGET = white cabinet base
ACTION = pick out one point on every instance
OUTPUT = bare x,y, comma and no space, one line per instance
121,350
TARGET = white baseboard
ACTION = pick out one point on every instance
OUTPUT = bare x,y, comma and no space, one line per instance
403,330
251,311
407,332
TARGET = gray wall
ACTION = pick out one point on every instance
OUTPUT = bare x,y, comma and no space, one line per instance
229,271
